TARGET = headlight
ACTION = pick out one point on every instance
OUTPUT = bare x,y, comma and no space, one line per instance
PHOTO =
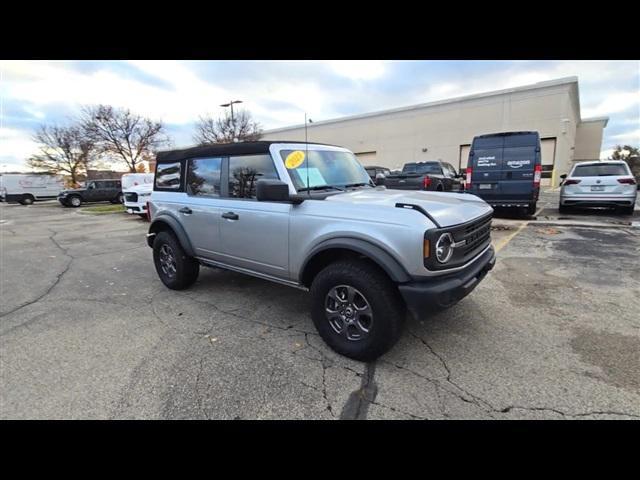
444,247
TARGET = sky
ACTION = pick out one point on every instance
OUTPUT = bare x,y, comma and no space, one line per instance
278,93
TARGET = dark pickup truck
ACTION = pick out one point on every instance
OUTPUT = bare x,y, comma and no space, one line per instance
435,175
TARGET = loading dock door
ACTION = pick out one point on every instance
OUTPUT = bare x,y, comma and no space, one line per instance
367,158
464,157
548,154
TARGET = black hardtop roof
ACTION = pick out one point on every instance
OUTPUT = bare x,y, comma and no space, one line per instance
224,149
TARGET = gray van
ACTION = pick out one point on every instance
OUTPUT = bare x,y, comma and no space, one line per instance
504,169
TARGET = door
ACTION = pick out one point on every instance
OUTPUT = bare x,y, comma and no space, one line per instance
199,207
464,157
366,158
520,156
92,192
486,164
548,154
253,235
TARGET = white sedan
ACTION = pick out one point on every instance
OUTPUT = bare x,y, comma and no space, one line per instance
607,183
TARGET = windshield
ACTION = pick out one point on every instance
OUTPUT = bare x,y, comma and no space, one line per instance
601,170
324,169
422,168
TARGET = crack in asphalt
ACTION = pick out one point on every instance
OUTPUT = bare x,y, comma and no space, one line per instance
325,366
47,291
397,410
198,393
485,405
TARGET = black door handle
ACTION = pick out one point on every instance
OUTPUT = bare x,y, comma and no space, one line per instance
186,210
230,216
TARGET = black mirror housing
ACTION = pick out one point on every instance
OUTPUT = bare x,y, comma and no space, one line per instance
380,179
268,190
563,176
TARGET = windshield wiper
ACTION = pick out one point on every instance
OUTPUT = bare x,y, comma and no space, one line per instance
320,187
349,185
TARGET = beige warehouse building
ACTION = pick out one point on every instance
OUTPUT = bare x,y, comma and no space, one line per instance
443,130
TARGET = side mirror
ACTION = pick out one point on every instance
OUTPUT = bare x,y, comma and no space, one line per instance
380,179
563,176
272,191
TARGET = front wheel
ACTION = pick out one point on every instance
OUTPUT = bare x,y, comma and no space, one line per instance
356,309
75,201
176,269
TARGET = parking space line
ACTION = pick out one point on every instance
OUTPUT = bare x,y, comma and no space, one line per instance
504,241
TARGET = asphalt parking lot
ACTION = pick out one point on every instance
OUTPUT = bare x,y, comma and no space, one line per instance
88,331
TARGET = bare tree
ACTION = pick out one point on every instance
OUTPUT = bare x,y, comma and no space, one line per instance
63,150
123,134
239,127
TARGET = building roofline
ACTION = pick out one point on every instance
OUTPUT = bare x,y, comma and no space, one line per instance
596,119
534,86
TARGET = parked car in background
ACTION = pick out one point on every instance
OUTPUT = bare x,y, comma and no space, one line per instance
608,183
504,169
433,175
375,172
306,215
28,188
95,191
135,199
134,179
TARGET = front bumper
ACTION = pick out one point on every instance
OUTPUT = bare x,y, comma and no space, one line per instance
136,208
442,292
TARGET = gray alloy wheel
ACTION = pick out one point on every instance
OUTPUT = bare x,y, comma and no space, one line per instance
348,312
167,261
75,201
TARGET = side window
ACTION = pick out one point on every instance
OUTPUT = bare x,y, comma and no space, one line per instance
168,176
246,170
203,176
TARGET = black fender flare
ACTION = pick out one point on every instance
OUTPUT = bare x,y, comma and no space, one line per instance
383,259
174,225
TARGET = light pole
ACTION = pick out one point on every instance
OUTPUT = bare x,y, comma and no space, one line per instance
230,104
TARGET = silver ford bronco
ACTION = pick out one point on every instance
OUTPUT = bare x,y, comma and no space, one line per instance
308,215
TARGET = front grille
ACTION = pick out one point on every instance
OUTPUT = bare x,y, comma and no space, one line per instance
476,236
131,197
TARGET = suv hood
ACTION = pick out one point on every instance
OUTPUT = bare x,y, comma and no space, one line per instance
142,188
446,208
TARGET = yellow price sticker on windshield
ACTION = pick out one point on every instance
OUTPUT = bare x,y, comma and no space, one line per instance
294,159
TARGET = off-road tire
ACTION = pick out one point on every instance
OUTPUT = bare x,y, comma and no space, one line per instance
186,268
388,309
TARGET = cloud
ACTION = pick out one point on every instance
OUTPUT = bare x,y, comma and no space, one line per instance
614,102
278,93
358,69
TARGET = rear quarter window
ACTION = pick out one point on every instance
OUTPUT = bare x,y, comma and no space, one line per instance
168,176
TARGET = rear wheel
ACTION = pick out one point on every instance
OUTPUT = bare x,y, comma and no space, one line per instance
176,269
564,208
627,210
27,200
356,309
531,209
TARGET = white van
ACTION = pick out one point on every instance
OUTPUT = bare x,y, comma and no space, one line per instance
29,188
